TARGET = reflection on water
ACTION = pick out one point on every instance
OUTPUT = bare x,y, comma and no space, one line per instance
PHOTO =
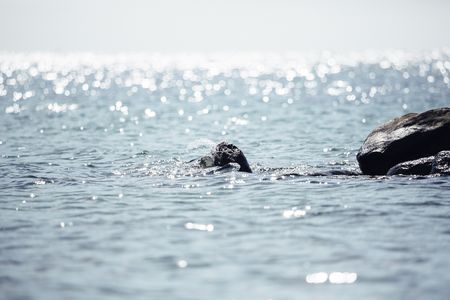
333,277
97,179
202,227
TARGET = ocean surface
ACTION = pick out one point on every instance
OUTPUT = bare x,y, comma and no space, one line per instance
98,200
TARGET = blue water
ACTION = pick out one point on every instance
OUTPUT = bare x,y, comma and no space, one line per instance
97,200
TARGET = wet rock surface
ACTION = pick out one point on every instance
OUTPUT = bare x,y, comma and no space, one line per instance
421,166
404,139
441,163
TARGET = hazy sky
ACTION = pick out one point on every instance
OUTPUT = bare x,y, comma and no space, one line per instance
222,26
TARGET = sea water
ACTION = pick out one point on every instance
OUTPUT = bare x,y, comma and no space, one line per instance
97,200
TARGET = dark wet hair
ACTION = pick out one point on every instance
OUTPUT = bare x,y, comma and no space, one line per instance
225,153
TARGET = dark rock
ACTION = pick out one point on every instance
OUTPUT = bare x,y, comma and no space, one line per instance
406,138
225,153
421,166
441,163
